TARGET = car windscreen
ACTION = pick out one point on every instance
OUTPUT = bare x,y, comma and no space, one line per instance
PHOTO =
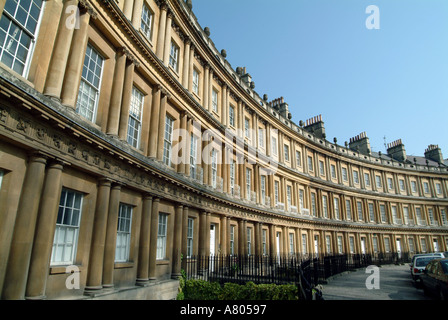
444,266
422,262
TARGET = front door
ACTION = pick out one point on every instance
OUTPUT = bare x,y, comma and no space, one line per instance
212,239
399,248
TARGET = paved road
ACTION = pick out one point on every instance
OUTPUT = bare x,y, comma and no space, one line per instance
395,283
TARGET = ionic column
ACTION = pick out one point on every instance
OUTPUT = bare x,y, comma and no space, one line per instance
116,93
127,8
58,63
111,237
153,239
153,132
143,253
224,112
183,144
166,56
205,90
126,99
45,229
161,32
161,130
75,63
23,235
96,257
137,13
186,68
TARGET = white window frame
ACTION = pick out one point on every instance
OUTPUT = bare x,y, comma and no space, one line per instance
215,100
67,234
87,88
232,177
168,140
247,128
348,209
325,205
146,22
124,226
195,81
190,237
135,118
248,183
262,189
174,56
162,236
232,115
21,29
193,155
286,152
214,165
232,240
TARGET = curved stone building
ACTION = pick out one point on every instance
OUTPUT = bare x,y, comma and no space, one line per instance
127,141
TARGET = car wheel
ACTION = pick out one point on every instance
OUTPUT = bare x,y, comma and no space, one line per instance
441,295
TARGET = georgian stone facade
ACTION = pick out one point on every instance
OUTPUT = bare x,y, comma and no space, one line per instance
87,179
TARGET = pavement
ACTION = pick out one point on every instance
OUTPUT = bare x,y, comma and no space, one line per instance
388,282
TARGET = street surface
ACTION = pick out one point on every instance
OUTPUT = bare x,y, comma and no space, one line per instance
394,283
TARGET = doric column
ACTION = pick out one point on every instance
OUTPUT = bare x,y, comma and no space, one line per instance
224,234
161,130
116,93
153,239
96,257
58,63
177,242
75,62
23,235
111,237
143,253
126,99
44,236
184,237
202,233
161,32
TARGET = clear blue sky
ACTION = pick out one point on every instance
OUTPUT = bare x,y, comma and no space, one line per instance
319,55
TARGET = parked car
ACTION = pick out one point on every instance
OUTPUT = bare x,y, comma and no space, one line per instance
435,278
435,254
445,254
419,264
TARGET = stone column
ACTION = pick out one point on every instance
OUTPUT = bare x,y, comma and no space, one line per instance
23,235
161,32
166,52
190,68
116,93
183,144
58,63
207,234
223,234
127,8
143,248
186,65
153,239
272,244
111,237
177,242
137,14
96,257
184,237
126,99
205,89
257,239
202,233
224,106
153,133
45,229
161,130
75,63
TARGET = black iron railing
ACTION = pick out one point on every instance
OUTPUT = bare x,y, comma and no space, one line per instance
303,270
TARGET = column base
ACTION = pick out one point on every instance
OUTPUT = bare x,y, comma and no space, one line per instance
176,276
41,297
142,282
93,291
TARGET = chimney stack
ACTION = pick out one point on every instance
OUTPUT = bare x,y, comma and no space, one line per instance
360,143
396,150
315,125
434,153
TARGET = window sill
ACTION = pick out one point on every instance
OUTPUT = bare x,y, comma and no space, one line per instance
62,269
122,265
163,262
